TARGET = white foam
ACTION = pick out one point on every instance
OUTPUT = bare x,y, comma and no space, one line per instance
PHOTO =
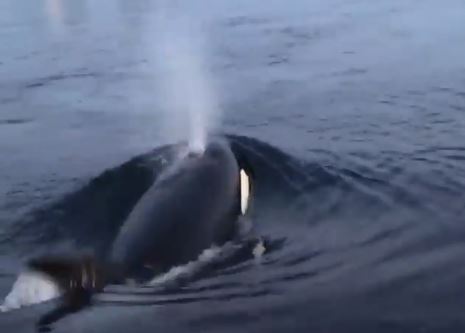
209,256
30,288
191,268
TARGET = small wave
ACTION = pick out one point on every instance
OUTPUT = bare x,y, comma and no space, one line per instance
14,121
59,77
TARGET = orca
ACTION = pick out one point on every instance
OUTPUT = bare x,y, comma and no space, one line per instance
198,201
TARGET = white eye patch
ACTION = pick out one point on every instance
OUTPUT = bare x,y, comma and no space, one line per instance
245,191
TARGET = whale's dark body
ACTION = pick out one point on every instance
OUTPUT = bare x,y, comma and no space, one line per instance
194,204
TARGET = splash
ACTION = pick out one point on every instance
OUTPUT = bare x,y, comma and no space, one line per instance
184,81
30,288
188,270
212,255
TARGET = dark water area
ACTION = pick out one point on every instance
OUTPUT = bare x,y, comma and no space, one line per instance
350,112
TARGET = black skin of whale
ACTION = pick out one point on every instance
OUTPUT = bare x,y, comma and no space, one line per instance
193,205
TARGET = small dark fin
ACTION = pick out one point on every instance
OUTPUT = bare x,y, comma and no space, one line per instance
78,277
63,309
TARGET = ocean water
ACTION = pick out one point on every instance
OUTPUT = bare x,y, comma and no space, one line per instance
351,114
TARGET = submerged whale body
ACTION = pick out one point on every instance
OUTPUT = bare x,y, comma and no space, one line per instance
194,204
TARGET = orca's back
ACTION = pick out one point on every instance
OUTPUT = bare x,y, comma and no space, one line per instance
190,208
